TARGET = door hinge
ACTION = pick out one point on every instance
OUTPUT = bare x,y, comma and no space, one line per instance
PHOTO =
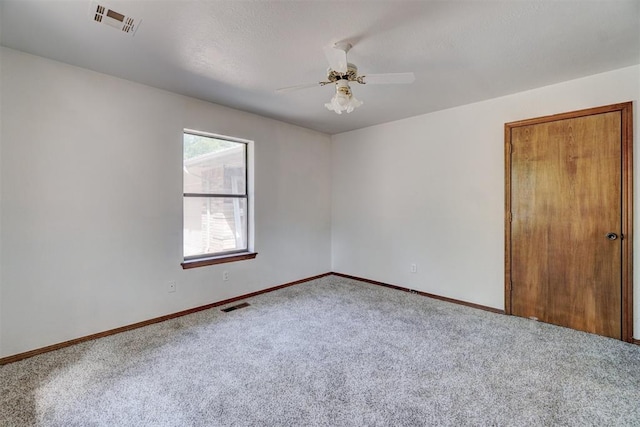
510,217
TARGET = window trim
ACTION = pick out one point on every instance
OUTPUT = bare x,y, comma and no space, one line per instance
193,261
219,259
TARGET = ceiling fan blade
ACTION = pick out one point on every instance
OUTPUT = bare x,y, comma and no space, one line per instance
337,56
389,78
297,87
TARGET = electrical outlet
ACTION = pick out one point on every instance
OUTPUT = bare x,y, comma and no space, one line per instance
172,286
225,275
414,268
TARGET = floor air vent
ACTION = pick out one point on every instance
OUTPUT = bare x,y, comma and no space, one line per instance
235,307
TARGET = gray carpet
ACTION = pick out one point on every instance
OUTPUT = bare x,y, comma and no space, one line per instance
332,352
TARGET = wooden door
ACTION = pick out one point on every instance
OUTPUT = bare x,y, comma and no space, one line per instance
569,220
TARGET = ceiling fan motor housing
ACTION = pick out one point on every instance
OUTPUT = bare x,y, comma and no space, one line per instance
351,75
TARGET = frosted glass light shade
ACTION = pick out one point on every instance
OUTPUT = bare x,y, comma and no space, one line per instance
342,102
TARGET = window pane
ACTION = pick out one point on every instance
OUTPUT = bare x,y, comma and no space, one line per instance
214,224
213,166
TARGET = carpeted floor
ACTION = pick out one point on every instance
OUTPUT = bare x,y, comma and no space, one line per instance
332,352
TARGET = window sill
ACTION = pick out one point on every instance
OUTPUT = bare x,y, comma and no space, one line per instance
202,262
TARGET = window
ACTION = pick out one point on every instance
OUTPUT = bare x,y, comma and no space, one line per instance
216,200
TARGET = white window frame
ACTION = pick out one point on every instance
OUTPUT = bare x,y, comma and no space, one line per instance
238,254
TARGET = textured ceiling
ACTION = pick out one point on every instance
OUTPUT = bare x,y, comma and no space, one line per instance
236,53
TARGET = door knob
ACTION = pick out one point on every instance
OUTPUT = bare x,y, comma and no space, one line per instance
611,236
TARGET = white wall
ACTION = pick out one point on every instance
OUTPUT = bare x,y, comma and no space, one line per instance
1,120
430,190
89,239
91,214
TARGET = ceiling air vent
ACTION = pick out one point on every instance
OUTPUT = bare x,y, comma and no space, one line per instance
120,21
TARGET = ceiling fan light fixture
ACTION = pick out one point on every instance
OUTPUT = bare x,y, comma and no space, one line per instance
343,100
341,72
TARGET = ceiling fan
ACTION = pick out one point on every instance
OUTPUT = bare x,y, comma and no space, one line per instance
341,73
